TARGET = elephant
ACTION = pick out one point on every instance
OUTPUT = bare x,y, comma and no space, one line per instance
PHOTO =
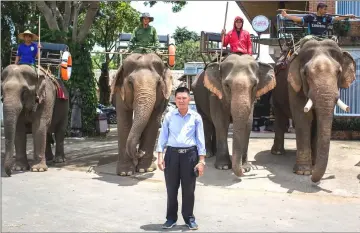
307,91
140,91
31,105
228,95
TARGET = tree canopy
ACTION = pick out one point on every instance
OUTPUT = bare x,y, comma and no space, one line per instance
176,5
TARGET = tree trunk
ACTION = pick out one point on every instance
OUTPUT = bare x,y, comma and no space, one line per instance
104,85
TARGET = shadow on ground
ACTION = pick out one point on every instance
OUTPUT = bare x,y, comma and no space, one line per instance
157,227
281,172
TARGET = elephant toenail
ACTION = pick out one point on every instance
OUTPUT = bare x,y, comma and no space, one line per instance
150,169
141,170
129,173
226,167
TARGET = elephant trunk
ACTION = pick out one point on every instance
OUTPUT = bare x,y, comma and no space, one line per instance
144,102
242,122
11,114
324,118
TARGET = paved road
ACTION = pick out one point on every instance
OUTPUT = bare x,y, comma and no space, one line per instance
84,194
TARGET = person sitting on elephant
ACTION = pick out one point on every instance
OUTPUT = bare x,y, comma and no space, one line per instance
27,51
144,38
317,24
238,38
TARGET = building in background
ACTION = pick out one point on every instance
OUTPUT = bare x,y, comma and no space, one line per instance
351,95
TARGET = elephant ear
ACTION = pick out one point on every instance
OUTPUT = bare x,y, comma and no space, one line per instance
41,90
117,84
166,83
267,80
212,80
294,77
348,74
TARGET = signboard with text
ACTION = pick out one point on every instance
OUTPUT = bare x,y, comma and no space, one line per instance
260,23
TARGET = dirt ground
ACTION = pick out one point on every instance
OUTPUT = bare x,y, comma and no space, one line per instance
269,172
84,194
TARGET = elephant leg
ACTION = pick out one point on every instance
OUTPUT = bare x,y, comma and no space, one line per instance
280,127
48,153
147,143
21,161
125,165
59,145
39,130
221,121
303,121
245,163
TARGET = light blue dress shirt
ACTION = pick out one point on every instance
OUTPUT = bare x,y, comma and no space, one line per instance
182,131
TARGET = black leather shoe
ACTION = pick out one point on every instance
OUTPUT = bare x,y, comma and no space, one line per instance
192,225
169,224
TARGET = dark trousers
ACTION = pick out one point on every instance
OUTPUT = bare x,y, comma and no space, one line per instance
179,167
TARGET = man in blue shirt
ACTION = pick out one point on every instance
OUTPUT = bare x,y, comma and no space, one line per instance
28,50
317,24
182,132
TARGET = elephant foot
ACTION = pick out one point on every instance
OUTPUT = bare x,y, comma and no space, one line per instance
146,165
40,167
59,159
246,167
125,169
223,164
21,166
276,150
302,169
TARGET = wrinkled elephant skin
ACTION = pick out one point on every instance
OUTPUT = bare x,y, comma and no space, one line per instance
31,105
140,90
226,95
316,74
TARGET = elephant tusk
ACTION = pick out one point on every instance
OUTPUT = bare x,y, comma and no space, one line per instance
308,105
342,105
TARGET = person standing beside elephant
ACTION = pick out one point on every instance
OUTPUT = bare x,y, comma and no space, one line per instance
28,51
238,38
144,37
183,133
317,24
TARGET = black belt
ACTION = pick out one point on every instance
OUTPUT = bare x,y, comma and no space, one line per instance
181,150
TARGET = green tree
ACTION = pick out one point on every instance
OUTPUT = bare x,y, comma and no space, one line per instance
187,47
70,22
177,5
182,34
115,17
188,51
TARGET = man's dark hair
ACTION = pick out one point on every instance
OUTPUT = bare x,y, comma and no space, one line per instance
321,5
182,89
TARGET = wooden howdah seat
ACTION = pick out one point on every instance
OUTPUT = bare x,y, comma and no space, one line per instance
50,54
210,46
166,46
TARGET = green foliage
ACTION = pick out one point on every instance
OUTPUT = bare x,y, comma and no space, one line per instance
82,77
188,51
182,34
187,47
346,124
177,5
